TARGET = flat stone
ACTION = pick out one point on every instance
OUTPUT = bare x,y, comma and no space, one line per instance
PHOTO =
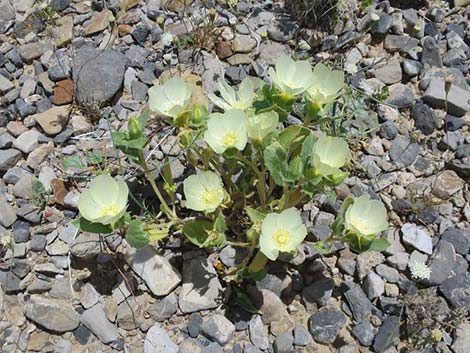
269,305
99,22
319,292
89,296
326,324
53,315
8,158
400,95
366,261
457,290
32,51
218,328
27,141
417,238
461,342
459,239
374,285
388,334
243,44
258,333
63,92
156,271
164,308
358,302
447,183
62,32
97,75
96,321
52,121
8,214
442,262
364,333
425,118
284,342
404,152
158,341
5,85
302,337
458,99
389,73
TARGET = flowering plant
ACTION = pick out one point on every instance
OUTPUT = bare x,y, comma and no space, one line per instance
252,171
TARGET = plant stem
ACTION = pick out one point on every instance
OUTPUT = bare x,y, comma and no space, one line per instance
163,204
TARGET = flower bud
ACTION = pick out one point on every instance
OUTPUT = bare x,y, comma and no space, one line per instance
199,115
134,128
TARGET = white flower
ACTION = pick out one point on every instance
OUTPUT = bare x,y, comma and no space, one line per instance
203,191
231,99
281,232
326,85
366,217
291,77
105,201
227,130
329,154
419,270
171,98
259,126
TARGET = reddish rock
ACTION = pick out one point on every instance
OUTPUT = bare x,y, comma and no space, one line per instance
224,49
63,92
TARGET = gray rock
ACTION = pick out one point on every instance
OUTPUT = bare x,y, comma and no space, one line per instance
454,57
461,342
282,30
459,239
302,337
5,85
269,305
403,43
258,333
431,55
442,262
147,263
390,274
164,308
417,238
458,99
326,324
218,328
89,296
389,73
283,343
383,25
8,158
232,256
358,302
32,51
319,292
158,341
249,348
374,285
457,290
201,287
194,325
400,95
20,231
98,75
96,321
388,334
425,118
388,130
364,333
27,141
411,67
86,245
53,315
403,152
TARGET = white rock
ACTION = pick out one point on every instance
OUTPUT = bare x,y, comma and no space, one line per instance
417,238
158,341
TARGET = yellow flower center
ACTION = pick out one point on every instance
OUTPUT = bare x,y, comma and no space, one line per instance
282,238
229,139
210,197
109,210
362,226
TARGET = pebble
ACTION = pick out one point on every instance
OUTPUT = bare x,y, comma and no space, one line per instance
52,121
96,321
218,328
387,335
417,238
157,340
326,324
258,333
364,332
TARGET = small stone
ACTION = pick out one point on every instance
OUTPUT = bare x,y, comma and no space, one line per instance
194,325
232,256
364,332
53,315
302,337
224,49
457,100
431,54
389,73
459,239
20,231
243,44
32,51
358,302
425,118
399,260
99,22
404,152
366,261
325,325
269,305
258,333
62,31
447,184
388,334
63,92
461,341
52,121
218,328
27,141
442,262
157,340
96,321
145,261
89,296
164,308
282,30
283,343
5,85
374,285
417,238
8,158
390,274
319,292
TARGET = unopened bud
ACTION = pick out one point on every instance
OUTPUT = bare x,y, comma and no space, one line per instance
134,128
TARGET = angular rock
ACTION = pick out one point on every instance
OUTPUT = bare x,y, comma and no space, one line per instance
269,305
364,332
53,315
201,288
96,321
8,214
157,272
358,302
458,99
158,341
319,292
461,342
425,118
442,262
447,184
218,328
31,51
404,152
417,238
97,75
164,308
326,324
459,239
374,285
8,158
99,22
258,333
457,290
283,343
52,121
388,334
389,73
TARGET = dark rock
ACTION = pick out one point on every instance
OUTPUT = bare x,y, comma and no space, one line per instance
459,239
319,292
60,5
390,305
283,343
98,75
457,290
403,43
11,283
383,25
454,57
358,302
400,95
425,118
454,123
20,268
326,324
388,130
282,30
194,325
411,67
364,332
302,337
140,34
20,232
442,263
404,152
431,54
457,98
38,242
388,333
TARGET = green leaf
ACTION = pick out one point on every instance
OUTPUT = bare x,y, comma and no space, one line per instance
338,224
255,215
89,227
292,136
244,301
379,244
202,234
94,157
74,162
323,248
307,148
158,232
275,158
220,225
136,235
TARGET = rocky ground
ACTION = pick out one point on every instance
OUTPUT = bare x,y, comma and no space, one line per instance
70,76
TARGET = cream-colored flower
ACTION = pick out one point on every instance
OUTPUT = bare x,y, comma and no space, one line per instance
105,201
326,85
171,98
291,77
227,130
230,99
203,191
259,126
366,217
419,270
281,232
329,154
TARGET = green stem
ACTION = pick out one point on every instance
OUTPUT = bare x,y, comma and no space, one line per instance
261,185
163,204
